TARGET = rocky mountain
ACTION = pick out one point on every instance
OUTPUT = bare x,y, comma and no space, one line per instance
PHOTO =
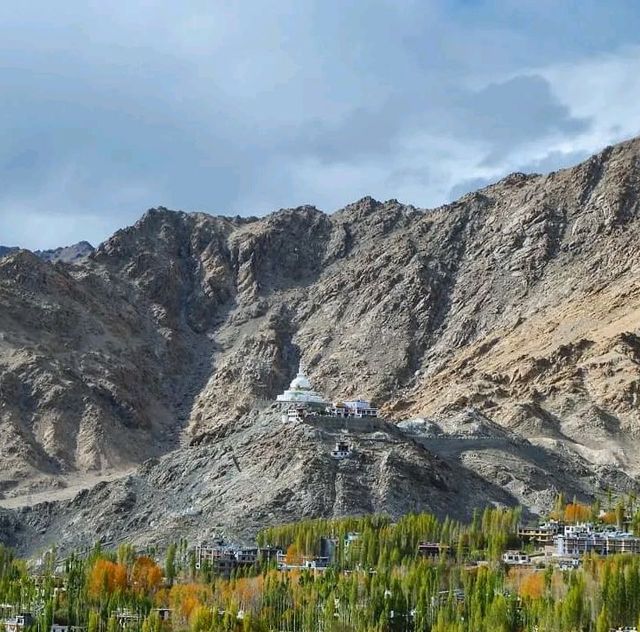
235,480
260,473
66,254
502,331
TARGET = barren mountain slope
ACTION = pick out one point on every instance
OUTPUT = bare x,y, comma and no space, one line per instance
518,300
561,364
84,377
263,472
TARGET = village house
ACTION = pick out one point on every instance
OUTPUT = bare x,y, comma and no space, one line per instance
268,553
542,534
578,528
220,558
19,623
568,564
443,596
516,558
576,543
352,543
164,614
341,451
433,549
316,563
354,408
127,618
223,558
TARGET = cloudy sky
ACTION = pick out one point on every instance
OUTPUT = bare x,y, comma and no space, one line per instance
244,106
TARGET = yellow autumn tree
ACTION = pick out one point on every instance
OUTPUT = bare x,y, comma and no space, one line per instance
105,578
293,555
532,585
146,575
577,512
185,598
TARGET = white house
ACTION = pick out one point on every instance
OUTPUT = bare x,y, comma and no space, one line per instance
341,451
515,558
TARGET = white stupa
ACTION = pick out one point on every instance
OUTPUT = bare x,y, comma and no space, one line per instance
301,392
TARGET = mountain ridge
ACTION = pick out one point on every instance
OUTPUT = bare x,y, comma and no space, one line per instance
518,302
66,254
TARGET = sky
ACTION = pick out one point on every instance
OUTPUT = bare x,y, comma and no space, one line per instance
244,107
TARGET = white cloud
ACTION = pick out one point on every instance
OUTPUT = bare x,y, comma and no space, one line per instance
60,211
248,106
604,89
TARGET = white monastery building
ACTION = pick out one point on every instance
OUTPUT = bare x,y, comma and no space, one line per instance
301,392
300,399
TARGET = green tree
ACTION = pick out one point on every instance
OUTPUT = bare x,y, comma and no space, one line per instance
93,622
602,623
170,563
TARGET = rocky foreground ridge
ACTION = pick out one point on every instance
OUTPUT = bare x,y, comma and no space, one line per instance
517,305
234,482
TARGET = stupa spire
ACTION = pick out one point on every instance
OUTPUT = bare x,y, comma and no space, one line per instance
301,391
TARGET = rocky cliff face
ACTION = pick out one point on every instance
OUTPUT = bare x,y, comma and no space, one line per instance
82,373
520,302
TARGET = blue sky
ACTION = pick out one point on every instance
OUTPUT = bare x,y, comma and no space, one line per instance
244,107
